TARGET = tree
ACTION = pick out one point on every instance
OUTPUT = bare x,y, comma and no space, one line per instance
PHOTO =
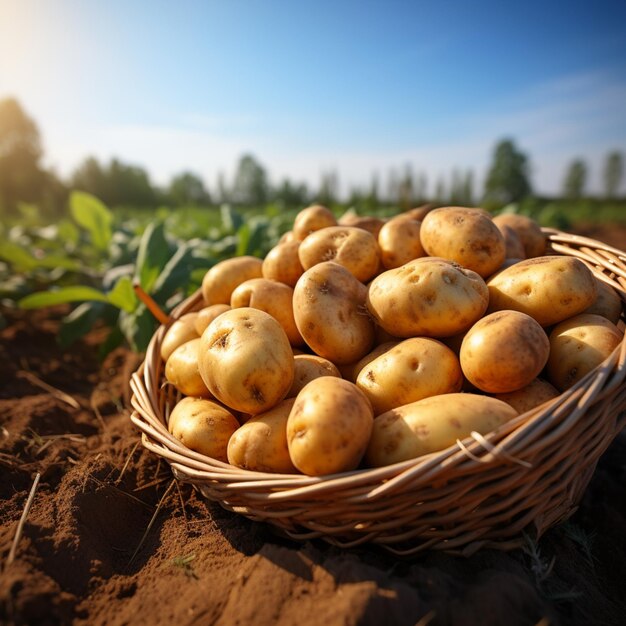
613,172
291,195
468,188
250,187
328,193
440,191
405,195
90,176
575,179
21,177
188,188
508,177
116,184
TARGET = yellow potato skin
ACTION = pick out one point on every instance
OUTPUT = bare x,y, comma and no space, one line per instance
329,308
207,315
528,231
246,361
608,304
282,263
535,393
260,445
352,370
329,427
399,242
354,248
431,425
221,280
311,219
504,351
272,297
307,367
465,236
513,244
181,370
549,289
428,297
203,426
409,371
181,331
578,345
370,224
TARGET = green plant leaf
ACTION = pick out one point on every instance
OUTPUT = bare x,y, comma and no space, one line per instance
137,328
154,252
15,254
61,296
79,322
175,274
231,219
68,233
93,216
123,295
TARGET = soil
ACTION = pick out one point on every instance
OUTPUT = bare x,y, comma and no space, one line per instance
93,552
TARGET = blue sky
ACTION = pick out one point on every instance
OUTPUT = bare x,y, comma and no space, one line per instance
359,86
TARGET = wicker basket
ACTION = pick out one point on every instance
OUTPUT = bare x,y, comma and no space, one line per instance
482,492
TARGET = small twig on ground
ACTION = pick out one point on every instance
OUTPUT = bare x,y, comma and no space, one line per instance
182,504
96,412
151,522
128,458
53,391
128,495
152,483
20,525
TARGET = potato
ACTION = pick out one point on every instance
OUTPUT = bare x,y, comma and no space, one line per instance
549,289
529,232
427,297
181,331
221,280
504,351
512,242
352,370
311,219
329,307
608,304
283,264
578,345
272,297
465,236
246,361
260,445
207,315
181,369
352,247
203,426
409,371
370,224
433,424
418,213
329,427
399,242
308,367
534,394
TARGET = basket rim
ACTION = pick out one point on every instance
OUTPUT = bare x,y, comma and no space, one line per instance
503,445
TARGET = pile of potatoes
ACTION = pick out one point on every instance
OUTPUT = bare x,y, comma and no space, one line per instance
369,342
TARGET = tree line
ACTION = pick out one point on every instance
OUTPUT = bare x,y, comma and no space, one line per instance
23,179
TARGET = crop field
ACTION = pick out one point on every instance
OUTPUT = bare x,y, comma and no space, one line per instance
111,538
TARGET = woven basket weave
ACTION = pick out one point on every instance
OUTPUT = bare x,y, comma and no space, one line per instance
482,492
